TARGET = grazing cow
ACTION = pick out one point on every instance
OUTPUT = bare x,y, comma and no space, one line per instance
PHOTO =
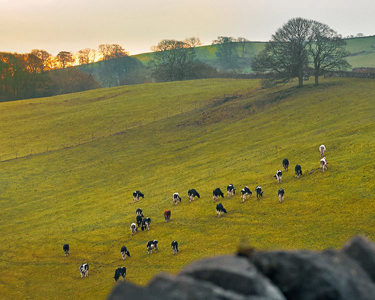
152,245
322,149
136,195
192,194
298,171
120,272
124,252
133,228
84,270
245,193
139,220
281,193
66,249
146,224
217,193
231,190
323,164
259,191
174,246
176,198
139,212
219,209
285,164
278,175
167,215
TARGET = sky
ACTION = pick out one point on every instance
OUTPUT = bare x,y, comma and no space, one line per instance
71,25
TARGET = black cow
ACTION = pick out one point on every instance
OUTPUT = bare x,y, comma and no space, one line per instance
245,193
174,246
146,224
278,175
219,209
66,249
124,252
176,198
133,228
152,245
139,212
285,164
259,191
120,272
84,270
192,194
298,171
231,190
139,220
167,215
281,193
137,195
217,193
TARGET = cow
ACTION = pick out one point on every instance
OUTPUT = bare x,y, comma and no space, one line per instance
322,149
137,195
176,198
139,212
124,252
217,193
298,171
133,228
139,220
84,270
174,246
66,249
192,194
259,191
281,193
120,272
152,245
219,209
231,191
285,164
146,224
323,164
278,175
245,193
167,215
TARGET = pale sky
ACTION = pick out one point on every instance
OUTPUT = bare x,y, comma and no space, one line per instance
71,25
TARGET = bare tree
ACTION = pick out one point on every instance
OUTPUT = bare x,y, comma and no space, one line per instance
84,56
110,51
192,42
44,56
242,41
65,58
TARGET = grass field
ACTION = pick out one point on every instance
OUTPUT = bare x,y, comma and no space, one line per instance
168,137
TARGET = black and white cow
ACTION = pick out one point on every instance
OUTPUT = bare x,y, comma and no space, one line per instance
298,171
176,198
152,245
323,164
66,249
84,270
259,192
278,175
146,224
281,193
133,228
192,194
120,272
220,209
139,212
285,164
124,252
245,193
167,215
217,193
174,246
137,195
322,149
139,220
231,191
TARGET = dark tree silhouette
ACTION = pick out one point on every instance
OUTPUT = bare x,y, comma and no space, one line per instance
65,57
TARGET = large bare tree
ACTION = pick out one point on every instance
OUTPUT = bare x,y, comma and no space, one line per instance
84,56
65,58
110,51
44,56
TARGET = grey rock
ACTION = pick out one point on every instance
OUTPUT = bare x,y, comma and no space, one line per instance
125,290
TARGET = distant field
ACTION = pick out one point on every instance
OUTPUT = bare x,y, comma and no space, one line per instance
167,137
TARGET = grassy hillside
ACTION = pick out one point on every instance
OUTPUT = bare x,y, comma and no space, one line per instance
168,137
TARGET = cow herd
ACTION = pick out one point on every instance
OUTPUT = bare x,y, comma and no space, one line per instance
144,222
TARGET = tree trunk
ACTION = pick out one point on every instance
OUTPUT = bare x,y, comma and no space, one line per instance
316,78
300,80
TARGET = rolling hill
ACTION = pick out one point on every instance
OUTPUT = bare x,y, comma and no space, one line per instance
69,164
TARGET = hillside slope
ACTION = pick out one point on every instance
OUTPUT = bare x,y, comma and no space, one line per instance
163,138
